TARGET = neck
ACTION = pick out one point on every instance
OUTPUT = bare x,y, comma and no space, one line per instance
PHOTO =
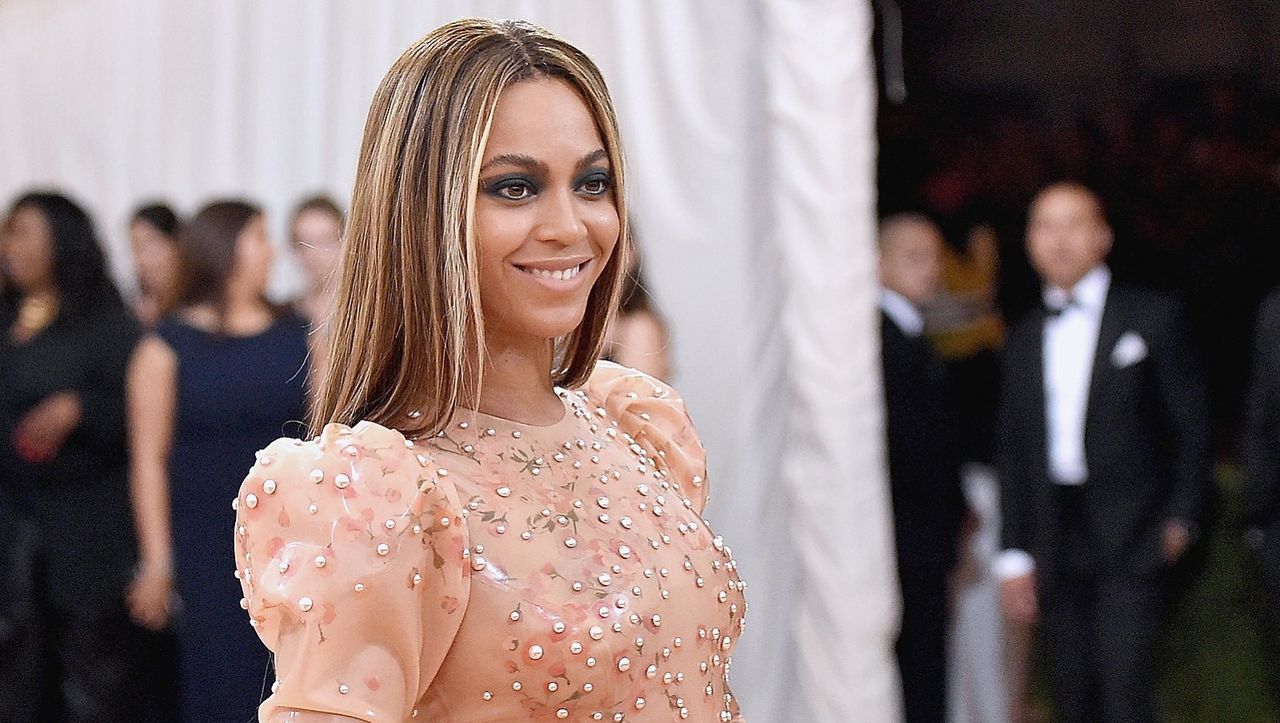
517,380
319,301
245,312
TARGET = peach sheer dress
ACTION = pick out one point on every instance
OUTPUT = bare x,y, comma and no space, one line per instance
497,571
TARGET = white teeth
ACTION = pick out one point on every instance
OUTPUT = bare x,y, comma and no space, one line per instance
558,274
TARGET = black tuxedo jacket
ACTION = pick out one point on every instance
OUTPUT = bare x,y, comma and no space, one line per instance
1147,438
1260,443
924,460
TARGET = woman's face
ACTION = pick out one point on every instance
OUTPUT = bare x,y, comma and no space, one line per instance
546,218
253,257
155,256
316,239
26,250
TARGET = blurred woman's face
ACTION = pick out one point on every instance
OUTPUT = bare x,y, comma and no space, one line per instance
546,218
26,250
254,255
155,258
317,238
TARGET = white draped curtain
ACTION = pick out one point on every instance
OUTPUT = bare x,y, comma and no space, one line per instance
749,127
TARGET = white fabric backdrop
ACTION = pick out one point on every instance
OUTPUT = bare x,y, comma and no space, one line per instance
750,132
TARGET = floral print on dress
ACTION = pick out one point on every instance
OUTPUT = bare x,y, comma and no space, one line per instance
497,571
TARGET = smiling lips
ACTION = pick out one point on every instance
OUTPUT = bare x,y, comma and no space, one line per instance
557,270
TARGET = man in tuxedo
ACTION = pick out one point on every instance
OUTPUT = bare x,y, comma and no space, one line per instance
1260,451
1103,449
924,465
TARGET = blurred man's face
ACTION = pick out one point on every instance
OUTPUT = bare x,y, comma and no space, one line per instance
1066,235
911,261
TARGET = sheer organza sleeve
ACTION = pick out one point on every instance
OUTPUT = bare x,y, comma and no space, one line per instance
654,416
350,551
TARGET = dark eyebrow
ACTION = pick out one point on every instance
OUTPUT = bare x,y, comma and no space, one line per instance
517,159
598,154
532,164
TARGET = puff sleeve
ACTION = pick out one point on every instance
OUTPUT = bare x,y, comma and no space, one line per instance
654,416
350,550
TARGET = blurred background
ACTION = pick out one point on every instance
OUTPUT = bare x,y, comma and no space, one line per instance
765,138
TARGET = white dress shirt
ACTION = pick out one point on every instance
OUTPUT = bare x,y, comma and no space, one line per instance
902,312
1070,345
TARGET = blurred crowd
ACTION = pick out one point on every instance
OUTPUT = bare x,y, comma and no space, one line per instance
1078,341
126,426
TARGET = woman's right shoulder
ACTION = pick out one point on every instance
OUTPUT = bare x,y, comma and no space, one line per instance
351,549
344,467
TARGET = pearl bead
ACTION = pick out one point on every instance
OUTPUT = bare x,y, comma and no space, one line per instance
341,481
305,604
535,652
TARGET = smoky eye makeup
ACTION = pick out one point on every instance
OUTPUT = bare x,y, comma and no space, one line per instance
595,182
511,186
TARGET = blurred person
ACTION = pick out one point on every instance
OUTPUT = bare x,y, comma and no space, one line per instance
66,644
924,460
638,337
1105,462
512,530
211,384
1260,455
316,235
153,236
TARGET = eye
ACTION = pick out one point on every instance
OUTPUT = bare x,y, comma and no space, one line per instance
511,188
596,184
514,190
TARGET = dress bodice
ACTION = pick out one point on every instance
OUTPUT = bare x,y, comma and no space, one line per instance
497,571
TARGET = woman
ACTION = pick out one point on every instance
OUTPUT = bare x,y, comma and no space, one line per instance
509,532
153,236
215,381
638,337
316,233
65,339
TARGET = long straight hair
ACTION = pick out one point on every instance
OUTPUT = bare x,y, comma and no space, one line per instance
207,254
407,325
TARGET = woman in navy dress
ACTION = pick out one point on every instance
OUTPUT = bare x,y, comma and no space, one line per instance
213,383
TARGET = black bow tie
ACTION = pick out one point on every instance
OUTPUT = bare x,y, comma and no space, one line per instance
1051,310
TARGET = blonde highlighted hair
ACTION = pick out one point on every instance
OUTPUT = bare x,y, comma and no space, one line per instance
407,335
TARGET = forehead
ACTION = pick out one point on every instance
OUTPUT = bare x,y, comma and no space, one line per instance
1067,202
542,116
912,236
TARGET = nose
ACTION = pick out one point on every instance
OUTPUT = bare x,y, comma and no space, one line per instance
559,220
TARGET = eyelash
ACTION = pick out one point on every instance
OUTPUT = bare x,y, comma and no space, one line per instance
499,187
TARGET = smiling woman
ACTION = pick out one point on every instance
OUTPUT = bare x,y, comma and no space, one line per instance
510,530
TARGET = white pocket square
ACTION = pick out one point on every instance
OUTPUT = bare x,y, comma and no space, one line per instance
1129,350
